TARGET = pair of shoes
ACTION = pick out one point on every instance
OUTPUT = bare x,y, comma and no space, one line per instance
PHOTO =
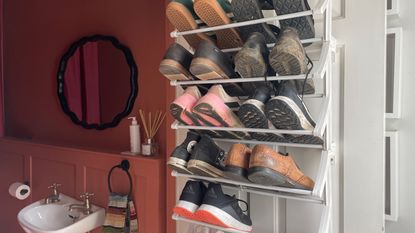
285,110
213,109
245,10
184,13
288,57
263,165
198,155
212,206
207,63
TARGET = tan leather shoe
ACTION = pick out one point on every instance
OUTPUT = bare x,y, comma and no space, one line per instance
237,162
268,167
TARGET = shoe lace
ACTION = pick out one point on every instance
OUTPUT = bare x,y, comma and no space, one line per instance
310,62
235,202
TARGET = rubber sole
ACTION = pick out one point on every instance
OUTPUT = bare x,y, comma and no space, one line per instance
186,209
178,165
205,69
216,216
245,10
251,113
173,70
285,114
249,63
305,139
204,110
269,177
236,173
213,15
202,168
177,112
304,25
183,20
285,63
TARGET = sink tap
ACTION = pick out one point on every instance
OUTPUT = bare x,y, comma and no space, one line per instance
85,208
55,194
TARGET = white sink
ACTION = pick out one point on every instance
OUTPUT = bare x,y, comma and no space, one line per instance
56,217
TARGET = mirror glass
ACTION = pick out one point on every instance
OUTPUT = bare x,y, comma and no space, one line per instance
97,82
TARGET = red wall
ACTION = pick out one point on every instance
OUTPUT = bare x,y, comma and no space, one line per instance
36,35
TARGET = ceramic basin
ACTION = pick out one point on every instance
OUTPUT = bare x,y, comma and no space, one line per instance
39,217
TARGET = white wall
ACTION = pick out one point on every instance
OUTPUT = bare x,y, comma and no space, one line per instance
406,125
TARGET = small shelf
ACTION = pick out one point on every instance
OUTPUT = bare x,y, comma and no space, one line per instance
178,218
317,72
318,131
318,10
323,226
315,195
285,144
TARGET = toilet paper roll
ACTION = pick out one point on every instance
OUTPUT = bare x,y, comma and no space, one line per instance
19,190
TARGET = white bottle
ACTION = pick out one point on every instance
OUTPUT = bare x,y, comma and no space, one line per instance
135,140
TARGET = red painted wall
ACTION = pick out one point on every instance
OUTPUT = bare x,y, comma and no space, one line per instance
37,33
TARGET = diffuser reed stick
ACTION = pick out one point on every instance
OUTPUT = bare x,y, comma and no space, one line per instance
153,123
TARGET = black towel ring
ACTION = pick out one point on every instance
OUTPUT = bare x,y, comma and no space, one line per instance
125,165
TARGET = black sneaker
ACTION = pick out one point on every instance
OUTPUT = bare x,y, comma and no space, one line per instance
209,62
180,156
207,158
223,210
304,25
288,111
244,10
252,115
190,199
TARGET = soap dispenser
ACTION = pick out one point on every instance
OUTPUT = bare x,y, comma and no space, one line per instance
135,140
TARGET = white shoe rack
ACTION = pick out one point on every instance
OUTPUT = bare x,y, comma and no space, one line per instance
322,191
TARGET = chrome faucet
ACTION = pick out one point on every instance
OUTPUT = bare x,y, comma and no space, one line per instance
85,208
55,194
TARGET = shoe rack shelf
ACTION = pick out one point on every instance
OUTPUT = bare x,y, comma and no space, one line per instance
318,71
324,47
316,195
323,228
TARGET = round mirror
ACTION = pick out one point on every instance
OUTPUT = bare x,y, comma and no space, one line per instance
97,82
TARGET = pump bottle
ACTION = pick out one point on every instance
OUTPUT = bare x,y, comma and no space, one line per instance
135,140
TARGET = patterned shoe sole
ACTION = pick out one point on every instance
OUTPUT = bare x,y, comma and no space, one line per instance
213,15
205,69
205,111
183,20
269,177
173,70
305,139
244,10
304,25
285,114
250,63
251,114
285,63
179,114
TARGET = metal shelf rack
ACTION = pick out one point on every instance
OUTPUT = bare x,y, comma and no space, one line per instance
322,191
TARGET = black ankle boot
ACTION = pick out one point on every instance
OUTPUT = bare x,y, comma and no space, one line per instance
180,156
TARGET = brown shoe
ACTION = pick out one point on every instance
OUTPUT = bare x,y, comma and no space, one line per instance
237,162
268,167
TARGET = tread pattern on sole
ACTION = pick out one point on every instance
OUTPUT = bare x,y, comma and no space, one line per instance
282,116
183,20
304,25
213,15
245,10
250,63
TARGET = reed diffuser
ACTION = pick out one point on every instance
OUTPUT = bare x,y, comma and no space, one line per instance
151,127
